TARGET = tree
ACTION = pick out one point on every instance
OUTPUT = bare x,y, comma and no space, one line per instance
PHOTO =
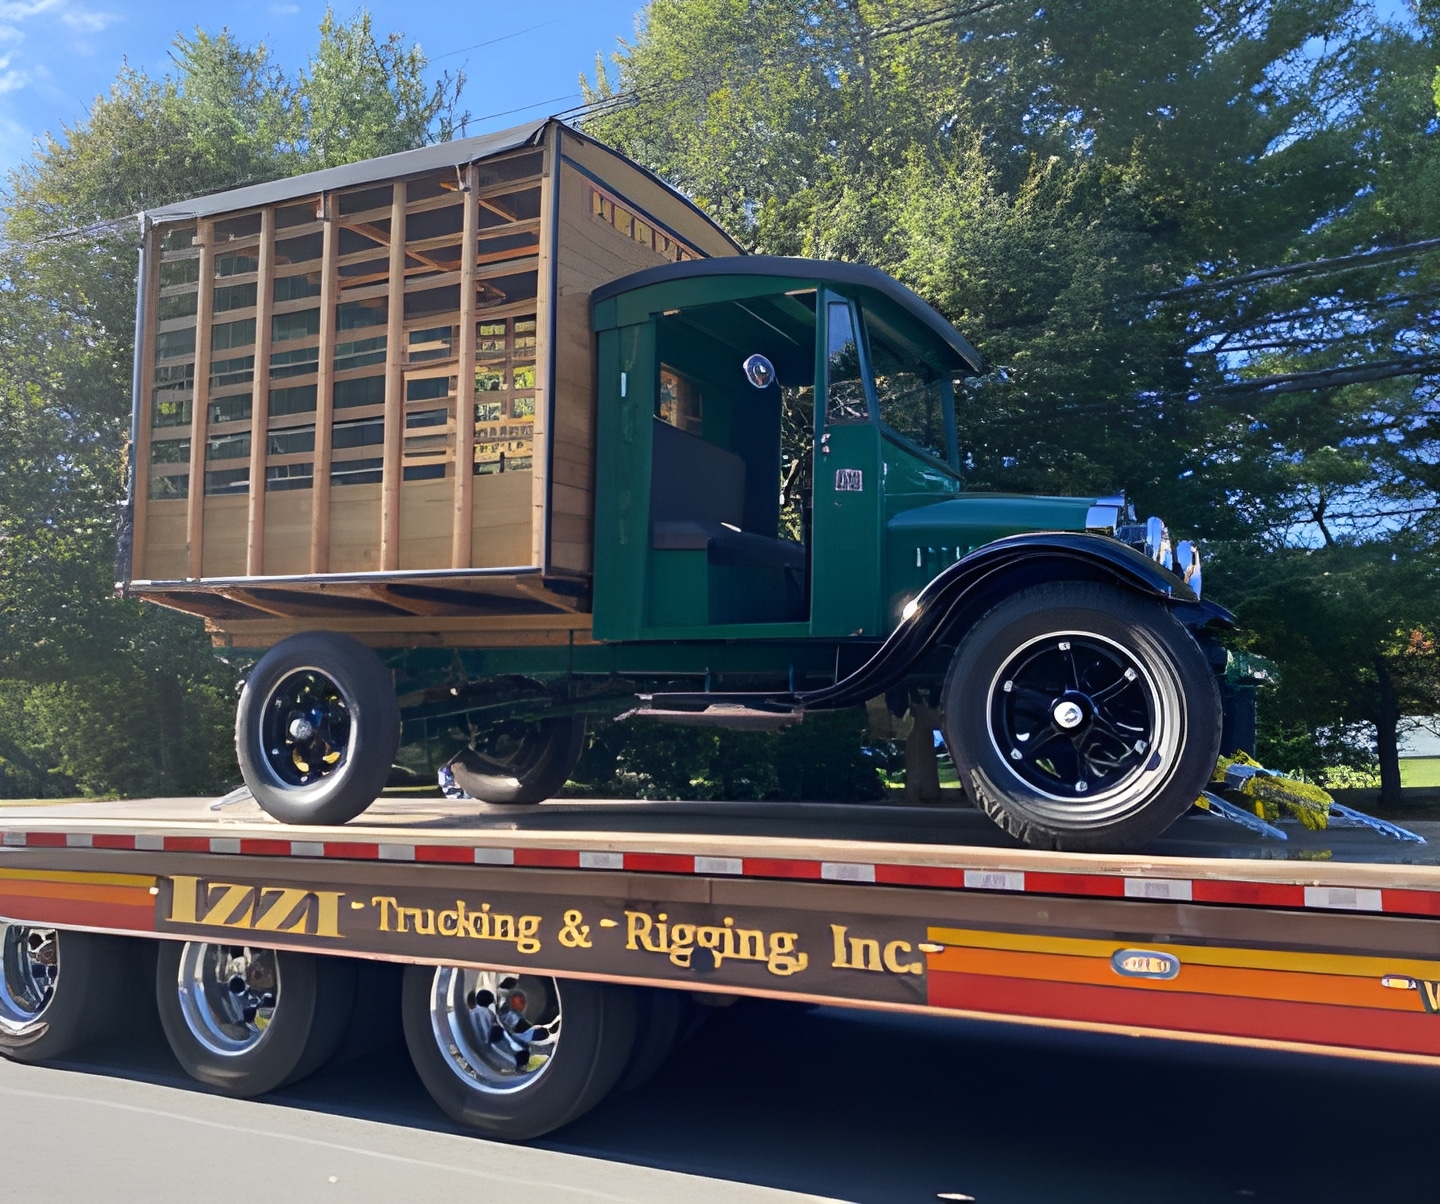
101,694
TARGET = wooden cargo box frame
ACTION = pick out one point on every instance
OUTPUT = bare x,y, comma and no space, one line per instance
336,427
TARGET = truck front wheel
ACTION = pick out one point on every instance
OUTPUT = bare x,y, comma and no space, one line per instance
246,1020
316,728
515,1055
1081,716
521,762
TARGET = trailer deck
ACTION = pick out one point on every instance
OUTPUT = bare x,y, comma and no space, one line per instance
1325,942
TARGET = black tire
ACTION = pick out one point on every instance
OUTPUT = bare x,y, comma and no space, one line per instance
1082,717
523,762
446,1029
214,1041
59,989
660,1018
334,768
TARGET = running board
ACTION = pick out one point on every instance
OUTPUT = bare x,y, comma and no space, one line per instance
725,715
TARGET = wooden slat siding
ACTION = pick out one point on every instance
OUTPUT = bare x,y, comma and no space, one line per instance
628,182
200,407
460,534
260,396
324,392
590,254
394,387
145,405
502,509
546,318
287,532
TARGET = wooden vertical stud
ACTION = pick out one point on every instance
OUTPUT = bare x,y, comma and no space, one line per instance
545,329
200,406
145,403
260,396
394,387
324,391
460,553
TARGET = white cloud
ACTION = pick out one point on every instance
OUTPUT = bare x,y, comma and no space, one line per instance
84,21
10,81
284,10
8,33
18,10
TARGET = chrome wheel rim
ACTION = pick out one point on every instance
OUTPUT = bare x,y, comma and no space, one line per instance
29,969
228,995
305,728
497,1030
1077,719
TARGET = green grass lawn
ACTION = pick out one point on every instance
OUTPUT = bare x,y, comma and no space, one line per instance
1420,771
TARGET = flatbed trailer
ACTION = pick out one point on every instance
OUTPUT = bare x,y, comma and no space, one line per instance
614,913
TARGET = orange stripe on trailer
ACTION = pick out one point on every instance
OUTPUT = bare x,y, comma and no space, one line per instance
1222,981
1252,1019
1355,965
140,881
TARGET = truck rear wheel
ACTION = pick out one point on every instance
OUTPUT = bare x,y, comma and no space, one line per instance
316,728
515,1055
57,989
245,1020
522,762
1081,716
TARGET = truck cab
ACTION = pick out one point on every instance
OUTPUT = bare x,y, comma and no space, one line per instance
774,438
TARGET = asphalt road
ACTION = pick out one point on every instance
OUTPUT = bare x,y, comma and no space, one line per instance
766,1102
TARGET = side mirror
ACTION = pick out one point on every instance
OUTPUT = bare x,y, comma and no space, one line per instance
759,371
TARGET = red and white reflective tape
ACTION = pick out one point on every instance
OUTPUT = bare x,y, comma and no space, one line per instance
1235,892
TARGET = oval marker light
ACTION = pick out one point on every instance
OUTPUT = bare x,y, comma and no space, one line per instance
1144,963
1398,982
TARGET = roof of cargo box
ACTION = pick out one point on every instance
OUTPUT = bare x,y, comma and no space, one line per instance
437,157
890,292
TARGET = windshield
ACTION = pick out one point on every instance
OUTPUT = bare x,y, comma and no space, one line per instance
911,395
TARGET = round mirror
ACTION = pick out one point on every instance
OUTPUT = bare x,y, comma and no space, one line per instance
759,371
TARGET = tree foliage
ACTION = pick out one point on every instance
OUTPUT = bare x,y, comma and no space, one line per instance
100,694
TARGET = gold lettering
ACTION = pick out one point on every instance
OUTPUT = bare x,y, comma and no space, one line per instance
424,918
287,902
226,913
183,890
892,959
864,953
527,942
327,912
1430,992
385,903
448,922
638,926
751,942
783,960
504,928
841,962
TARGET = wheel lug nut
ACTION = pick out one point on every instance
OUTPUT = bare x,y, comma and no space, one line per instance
301,729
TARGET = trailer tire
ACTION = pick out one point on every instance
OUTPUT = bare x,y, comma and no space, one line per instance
464,1040
316,728
537,760
213,1039
57,989
1122,700
660,1019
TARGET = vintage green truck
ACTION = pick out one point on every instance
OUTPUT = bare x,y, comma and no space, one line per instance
468,443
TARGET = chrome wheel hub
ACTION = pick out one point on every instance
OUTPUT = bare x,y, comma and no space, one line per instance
228,995
29,968
498,1030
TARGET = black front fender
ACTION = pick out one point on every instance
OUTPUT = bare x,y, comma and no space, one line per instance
956,598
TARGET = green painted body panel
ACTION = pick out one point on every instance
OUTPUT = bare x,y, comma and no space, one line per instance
886,516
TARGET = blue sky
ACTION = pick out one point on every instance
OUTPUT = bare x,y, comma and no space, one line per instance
57,55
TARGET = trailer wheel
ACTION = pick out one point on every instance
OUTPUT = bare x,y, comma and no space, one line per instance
56,989
1081,717
245,1020
515,1055
660,1021
522,762
316,728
